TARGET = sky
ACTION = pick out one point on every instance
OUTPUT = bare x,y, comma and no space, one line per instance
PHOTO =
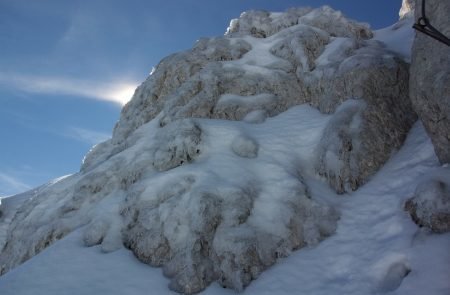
68,66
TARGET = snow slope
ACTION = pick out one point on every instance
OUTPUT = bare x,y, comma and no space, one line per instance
398,37
376,243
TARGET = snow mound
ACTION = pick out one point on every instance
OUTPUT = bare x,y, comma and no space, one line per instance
430,205
176,144
245,146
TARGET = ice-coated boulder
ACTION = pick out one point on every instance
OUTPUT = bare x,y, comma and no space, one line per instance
362,70
341,151
200,236
176,144
430,78
430,205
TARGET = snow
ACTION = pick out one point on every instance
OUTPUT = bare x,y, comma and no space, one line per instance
335,51
375,245
67,267
398,37
259,59
9,206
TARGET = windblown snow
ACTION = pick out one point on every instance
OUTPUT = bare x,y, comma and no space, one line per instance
252,163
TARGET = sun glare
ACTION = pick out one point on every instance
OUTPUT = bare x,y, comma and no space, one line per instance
122,93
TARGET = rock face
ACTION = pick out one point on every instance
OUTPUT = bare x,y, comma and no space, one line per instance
407,9
268,62
430,205
430,78
165,185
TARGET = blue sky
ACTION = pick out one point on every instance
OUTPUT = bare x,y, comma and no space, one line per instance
67,66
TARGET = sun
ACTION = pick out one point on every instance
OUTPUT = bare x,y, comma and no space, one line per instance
121,93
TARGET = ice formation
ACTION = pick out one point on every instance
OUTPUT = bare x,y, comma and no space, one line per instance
210,199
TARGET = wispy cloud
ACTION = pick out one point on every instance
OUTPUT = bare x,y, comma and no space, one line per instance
118,92
10,185
88,136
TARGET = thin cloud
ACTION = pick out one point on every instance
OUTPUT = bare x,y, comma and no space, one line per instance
117,92
87,136
10,185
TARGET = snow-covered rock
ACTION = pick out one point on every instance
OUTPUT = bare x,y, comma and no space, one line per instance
199,236
182,198
430,205
340,150
363,70
218,200
176,144
407,9
269,62
430,77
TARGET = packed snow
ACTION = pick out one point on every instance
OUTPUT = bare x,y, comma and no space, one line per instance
398,37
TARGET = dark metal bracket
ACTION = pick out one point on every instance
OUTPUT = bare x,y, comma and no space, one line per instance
423,25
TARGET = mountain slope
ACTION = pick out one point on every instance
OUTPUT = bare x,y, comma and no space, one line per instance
374,244
314,107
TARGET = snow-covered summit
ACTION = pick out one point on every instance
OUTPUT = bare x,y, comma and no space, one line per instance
314,56
407,9
262,24
231,156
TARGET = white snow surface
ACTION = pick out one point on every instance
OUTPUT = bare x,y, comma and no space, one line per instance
375,243
398,37
9,206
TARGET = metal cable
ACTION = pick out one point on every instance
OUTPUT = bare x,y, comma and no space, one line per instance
423,25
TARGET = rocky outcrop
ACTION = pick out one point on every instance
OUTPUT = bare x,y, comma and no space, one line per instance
170,199
200,236
269,62
351,69
430,205
430,78
407,9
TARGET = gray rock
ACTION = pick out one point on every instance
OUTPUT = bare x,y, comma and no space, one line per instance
341,151
317,57
176,144
430,78
430,205
364,71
